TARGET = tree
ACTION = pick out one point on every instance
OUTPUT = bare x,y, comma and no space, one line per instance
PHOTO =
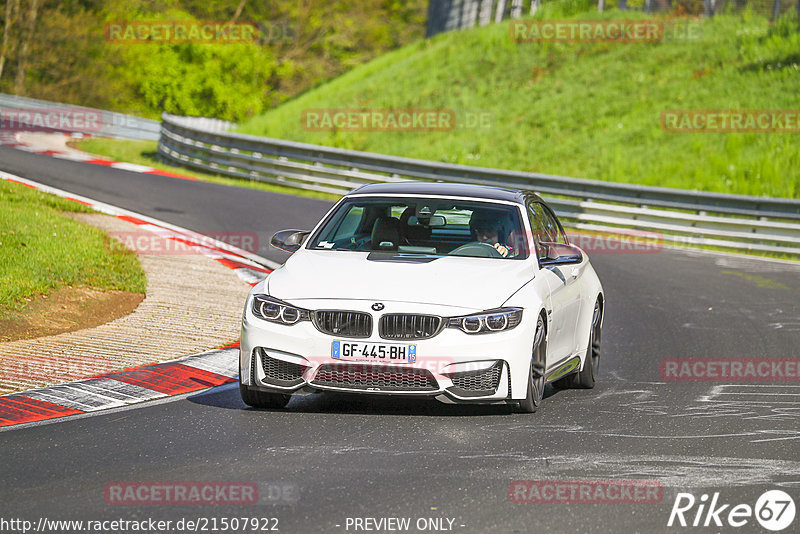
12,7
501,10
25,46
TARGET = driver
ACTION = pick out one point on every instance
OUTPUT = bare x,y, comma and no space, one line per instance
487,228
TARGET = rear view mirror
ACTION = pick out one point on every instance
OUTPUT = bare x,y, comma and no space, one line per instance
560,254
435,221
289,240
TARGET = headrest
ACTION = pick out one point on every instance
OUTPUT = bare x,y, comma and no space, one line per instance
385,233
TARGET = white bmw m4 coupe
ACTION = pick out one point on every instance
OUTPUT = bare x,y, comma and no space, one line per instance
462,293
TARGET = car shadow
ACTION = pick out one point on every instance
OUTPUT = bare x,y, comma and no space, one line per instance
227,397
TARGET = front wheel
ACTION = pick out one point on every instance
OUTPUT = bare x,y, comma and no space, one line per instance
263,399
536,379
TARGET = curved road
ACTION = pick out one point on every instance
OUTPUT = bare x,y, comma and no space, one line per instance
345,457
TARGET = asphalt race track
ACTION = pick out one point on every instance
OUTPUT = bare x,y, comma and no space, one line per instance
328,458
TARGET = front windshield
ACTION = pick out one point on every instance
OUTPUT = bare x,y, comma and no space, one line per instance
428,226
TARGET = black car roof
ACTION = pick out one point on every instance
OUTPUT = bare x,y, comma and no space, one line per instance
447,189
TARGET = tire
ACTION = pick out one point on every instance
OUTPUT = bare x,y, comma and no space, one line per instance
263,399
536,378
586,378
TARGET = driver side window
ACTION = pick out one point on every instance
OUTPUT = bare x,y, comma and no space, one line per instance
554,232
544,228
537,228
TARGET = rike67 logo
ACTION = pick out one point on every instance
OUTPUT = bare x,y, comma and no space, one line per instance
774,510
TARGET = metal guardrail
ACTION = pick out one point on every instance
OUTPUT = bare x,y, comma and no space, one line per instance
680,217
113,124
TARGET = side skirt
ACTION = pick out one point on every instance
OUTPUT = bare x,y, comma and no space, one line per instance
571,365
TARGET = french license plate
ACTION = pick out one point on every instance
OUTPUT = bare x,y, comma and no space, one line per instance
381,352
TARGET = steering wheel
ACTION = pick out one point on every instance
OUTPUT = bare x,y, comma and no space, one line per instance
477,249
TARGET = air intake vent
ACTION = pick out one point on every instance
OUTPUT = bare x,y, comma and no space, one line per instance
344,323
409,326
478,383
375,377
280,373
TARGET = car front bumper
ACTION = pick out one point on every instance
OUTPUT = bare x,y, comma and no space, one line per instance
452,366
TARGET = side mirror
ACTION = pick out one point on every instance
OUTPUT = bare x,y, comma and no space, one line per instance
560,254
289,240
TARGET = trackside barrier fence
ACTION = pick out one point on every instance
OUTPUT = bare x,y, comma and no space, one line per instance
680,217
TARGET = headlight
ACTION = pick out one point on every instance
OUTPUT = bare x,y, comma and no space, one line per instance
276,311
487,322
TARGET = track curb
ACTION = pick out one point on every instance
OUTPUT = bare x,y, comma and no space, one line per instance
130,386
139,384
12,140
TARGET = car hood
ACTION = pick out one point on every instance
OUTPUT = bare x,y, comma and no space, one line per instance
476,283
